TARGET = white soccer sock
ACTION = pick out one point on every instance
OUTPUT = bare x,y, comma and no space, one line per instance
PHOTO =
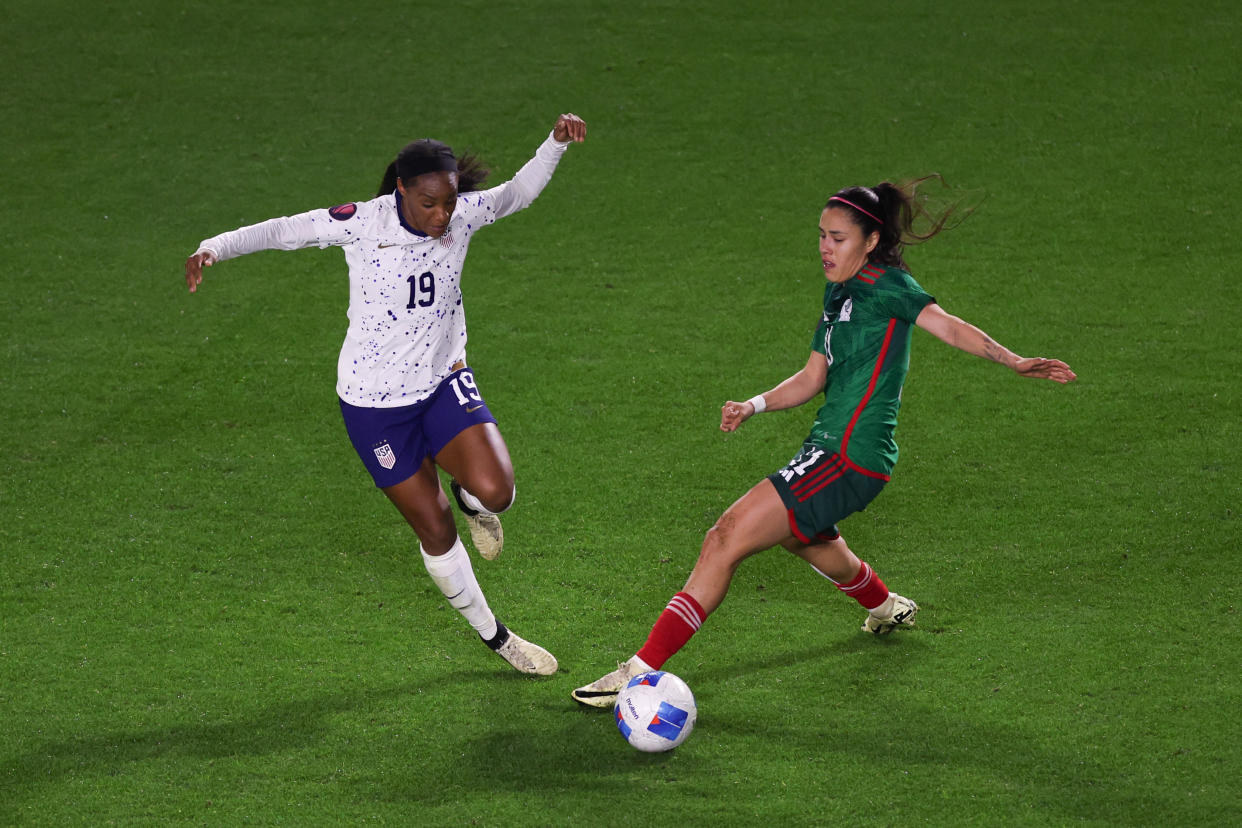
475,504
454,575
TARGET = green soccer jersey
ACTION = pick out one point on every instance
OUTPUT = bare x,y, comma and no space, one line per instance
865,335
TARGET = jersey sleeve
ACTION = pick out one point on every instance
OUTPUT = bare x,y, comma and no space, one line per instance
819,339
519,191
818,345
323,227
903,298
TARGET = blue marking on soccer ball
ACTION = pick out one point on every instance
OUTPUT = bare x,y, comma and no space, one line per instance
621,725
668,722
655,711
652,678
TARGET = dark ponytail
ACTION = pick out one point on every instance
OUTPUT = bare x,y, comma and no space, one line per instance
426,156
893,210
471,173
389,182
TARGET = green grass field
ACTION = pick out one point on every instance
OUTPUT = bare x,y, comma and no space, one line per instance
209,616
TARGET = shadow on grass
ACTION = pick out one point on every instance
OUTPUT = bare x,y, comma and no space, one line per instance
552,749
280,728
870,722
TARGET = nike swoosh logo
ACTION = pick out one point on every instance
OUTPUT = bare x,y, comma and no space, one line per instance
382,246
472,410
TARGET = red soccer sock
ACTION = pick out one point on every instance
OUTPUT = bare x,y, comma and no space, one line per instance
866,588
681,619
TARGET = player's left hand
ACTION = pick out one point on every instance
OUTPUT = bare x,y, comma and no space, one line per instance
1040,368
569,127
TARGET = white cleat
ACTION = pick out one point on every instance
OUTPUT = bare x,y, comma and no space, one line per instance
900,614
486,535
524,656
485,532
603,691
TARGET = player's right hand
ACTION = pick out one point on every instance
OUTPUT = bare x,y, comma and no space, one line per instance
733,414
194,269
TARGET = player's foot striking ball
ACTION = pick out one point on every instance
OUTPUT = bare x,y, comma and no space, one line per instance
603,691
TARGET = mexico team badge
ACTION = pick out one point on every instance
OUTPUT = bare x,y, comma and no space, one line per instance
385,455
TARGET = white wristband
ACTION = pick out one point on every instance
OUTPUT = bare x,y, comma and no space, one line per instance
759,403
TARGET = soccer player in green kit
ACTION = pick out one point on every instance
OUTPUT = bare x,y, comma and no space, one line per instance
860,354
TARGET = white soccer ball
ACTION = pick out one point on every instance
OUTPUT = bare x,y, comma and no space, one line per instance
655,711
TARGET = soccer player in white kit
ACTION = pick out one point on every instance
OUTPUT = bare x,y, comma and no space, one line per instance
409,400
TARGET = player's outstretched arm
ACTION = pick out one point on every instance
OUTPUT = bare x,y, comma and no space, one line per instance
518,192
966,337
791,393
194,268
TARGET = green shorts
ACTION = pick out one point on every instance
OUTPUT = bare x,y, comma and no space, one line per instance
819,487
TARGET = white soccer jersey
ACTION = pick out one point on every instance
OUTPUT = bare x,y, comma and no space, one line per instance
407,327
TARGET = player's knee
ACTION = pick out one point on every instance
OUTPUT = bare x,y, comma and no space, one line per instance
497,496
435,530
718,547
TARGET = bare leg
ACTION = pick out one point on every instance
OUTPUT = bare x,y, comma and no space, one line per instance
482,472
832,558
886,611
755,522
478,459
424,506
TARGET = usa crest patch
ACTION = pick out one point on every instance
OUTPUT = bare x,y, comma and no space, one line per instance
385,455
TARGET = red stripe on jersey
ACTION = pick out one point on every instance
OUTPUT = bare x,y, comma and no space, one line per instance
875,378
828,466
869,274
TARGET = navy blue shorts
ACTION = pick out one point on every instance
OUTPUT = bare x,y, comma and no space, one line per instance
393,442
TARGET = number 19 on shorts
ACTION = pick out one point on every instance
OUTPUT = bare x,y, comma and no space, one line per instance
467,392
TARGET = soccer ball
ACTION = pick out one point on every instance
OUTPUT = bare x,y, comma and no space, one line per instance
655,711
